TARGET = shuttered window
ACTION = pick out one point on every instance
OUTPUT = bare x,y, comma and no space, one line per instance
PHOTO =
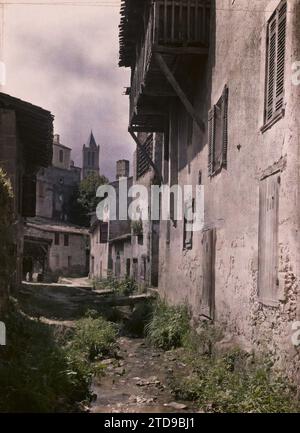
218,135
268,283
103,233
276,43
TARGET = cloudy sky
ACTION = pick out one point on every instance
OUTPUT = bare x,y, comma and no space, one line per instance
65,59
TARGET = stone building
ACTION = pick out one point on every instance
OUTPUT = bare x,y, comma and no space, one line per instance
90,157
111,252
56,249
57,184
145,234
53,245
221,90
26,135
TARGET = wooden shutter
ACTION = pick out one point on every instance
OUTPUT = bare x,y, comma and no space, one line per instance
225,126
281,43
276,43
218,134
268,240
208,272
211,140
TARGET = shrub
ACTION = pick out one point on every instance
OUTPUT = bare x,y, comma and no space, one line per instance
93,338
168,326
125,286
218,386
35,373
7,255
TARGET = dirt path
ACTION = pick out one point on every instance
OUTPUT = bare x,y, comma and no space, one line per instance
137,382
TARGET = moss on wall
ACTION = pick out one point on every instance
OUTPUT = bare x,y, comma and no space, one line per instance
7,255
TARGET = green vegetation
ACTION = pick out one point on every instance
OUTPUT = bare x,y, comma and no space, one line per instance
43,369
125,286
87,191
7,254
168,326
231,382
93,339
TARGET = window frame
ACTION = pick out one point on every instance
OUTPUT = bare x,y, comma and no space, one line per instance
212,114
276,113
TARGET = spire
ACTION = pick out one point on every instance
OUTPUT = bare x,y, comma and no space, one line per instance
92,141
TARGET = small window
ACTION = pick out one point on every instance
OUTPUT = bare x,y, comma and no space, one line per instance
218,135
56,238
275,63
61,156
128,266
144,268
66,240
188,219
69,261
103,233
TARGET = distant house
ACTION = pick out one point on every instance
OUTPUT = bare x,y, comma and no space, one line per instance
26,136
56,248
53,245
111,252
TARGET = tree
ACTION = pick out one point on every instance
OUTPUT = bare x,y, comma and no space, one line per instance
87,192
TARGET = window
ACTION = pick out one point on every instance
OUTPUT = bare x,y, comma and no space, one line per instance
144,268
268,283
275,63
56,238
142,162
66,240
61,156
128,265
103,233
218,135
188,219
69,261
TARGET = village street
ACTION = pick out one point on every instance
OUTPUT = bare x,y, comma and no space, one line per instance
137,378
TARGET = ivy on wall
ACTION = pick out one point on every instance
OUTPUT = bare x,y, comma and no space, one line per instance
7,259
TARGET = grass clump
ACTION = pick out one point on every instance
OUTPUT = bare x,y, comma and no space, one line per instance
229,385
125,286
168,327
45,370
233,381
94,338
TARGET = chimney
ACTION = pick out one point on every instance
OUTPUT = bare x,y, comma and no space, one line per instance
56,139
122,168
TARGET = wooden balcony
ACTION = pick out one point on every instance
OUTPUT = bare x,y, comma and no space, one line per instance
176,36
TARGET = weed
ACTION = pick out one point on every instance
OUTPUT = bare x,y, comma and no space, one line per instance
168,326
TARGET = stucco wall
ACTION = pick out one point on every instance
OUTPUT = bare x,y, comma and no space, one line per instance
237,59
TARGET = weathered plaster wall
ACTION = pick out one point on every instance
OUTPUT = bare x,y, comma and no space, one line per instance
237,58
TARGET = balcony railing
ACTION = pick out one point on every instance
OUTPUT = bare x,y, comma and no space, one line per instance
174,26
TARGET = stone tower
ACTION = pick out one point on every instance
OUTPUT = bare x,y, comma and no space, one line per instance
90,157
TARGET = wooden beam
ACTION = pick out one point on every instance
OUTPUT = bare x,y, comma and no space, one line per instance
180,50
178,90
143,149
